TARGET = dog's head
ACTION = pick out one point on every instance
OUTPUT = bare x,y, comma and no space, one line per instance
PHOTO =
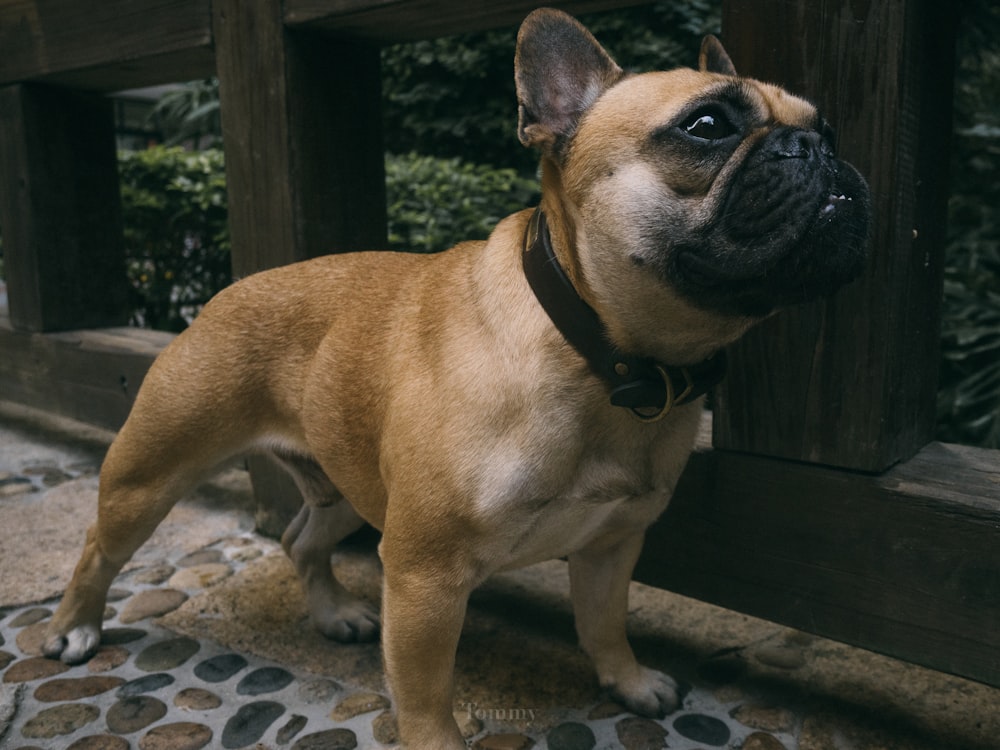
691,199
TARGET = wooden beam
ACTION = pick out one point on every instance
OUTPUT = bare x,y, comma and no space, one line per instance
388,21
64,254
104,45
906,564
852,382
89,375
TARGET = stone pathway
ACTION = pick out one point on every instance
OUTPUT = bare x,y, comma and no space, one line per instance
152,689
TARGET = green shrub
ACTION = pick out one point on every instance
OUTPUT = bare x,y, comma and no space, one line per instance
434,203
176,236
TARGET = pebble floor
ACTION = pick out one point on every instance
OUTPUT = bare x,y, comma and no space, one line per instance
151,689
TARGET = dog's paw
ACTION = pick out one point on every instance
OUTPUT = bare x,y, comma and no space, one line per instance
78,645
648,693
350,622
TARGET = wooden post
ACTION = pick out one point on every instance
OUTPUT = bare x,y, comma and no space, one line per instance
851,382
60,210
301,120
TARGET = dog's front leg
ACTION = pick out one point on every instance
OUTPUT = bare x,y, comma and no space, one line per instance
599,580
423,608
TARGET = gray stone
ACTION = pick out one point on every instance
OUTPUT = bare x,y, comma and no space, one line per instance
201,557
100,742
148,684
768,718
120,636
59,720
137,712
200,576
701,728
153,575
167,654
108,658
762,741
357,704
12,485
220,668
250,722
318,691
384,728
503,742
264,680
571,736
30,617
34,668
291,728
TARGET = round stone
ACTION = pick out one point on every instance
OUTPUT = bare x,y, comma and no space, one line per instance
12,485
264,680
637,733
220,668
781,657
201,557
167,654
571,736
6,658
331,739
30,617
250,722
154,575
148,684
762,741
292,727
75,688
151,603
31,638
119,636
183,735
605,711
384,728
705,729
503,742
34,668
200,576
318,691
357,704
107,658
132,714
100,742
59,720
763,717
197,699
116,594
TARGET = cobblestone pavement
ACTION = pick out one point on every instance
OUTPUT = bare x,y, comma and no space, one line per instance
206,645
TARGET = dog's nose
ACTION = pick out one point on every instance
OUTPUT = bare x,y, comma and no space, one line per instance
792,143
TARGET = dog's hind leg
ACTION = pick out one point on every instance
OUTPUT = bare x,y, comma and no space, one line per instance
325,519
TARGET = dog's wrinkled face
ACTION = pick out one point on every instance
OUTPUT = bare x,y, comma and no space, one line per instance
691,190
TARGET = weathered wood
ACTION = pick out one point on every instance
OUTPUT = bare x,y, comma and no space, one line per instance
91,376
64,255
105,45
852,382
302,128
388,21
906,564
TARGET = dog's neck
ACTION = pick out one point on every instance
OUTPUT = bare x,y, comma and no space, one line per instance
648,388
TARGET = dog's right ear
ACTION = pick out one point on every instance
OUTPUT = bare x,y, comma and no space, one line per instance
560,70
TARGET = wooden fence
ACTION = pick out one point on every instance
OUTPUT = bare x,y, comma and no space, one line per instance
823,504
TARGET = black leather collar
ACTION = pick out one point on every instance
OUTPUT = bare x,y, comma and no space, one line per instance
648,388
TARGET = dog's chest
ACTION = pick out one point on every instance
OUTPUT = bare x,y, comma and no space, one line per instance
557,500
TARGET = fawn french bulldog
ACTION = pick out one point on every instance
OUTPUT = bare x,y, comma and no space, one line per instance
528,397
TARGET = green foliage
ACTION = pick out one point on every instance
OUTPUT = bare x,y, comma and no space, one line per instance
435,203
190,113
176,236
969,392
455,97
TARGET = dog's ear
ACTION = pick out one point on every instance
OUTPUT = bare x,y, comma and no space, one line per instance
713,57
560,71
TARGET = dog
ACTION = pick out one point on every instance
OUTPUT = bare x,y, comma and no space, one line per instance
530,397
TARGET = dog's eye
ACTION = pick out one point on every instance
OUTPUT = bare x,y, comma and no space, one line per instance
708,125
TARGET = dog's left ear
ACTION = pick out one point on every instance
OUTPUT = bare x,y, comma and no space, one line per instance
560,71
713,57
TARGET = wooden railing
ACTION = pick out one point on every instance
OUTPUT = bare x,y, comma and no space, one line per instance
823,505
